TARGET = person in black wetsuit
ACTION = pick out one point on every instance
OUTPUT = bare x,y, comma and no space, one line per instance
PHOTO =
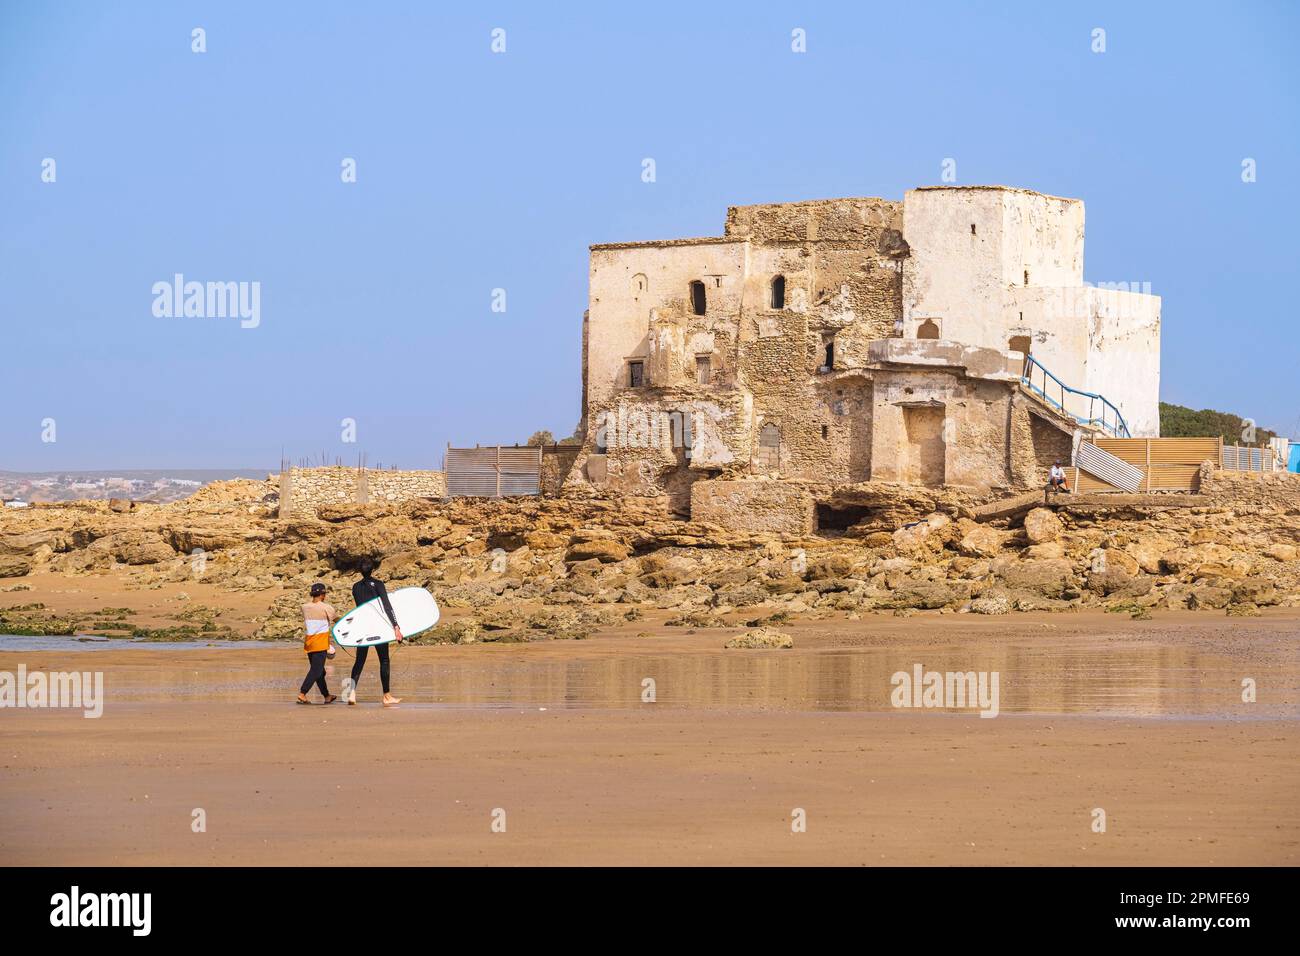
367,589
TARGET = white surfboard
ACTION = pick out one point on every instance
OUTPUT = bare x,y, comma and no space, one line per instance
415,608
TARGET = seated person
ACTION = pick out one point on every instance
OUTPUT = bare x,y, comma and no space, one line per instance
1056,478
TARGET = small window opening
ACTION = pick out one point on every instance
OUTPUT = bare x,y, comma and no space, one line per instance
635,374
703,369
778,292
828,353
825,432
698,301
972,228
1026,277
769,447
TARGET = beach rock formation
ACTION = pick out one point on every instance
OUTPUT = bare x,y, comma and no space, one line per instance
489,558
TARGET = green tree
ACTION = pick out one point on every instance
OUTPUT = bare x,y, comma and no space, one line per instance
1178,421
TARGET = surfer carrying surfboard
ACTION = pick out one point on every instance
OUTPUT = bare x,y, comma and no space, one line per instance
317,618
368,589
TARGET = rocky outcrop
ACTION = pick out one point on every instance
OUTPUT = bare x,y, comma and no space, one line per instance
589,553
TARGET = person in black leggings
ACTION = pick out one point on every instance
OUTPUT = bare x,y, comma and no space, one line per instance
315,675
367,589
317,617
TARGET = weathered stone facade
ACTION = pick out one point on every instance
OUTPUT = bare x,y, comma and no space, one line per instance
839,341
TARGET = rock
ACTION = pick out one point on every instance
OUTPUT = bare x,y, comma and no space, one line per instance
186,539
990,605
346,511
1103,560
691,594
1258,591
1207,596
1047,551
1281,552
1110,581
791,584
375,539
926,595
135,547
120,505
829,566
914,538
31,542
981,542
761,637
1245,609
606,551
13,567
1147,552
465,631
302,529
741,595
1042,526
545,540
1052,578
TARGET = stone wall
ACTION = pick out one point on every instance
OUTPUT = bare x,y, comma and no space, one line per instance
404,485
303,491
1273,489
755,505
557,462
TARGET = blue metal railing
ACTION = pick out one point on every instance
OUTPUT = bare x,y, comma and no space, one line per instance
1112,424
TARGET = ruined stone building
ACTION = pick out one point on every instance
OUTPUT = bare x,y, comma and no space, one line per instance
838,341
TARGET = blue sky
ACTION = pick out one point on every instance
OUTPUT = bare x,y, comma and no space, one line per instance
478,171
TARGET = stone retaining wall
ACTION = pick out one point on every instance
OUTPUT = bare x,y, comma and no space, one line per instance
773,506
1276,489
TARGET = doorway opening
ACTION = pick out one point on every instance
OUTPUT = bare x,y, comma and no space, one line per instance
926,448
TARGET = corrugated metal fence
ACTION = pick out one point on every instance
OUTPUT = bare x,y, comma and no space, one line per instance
1236,458
1109,468
497,471
1166,464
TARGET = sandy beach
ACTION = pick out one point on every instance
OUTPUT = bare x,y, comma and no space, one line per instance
1142,719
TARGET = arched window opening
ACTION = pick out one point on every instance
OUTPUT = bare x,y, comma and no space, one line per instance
778,292
698,301
928,329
